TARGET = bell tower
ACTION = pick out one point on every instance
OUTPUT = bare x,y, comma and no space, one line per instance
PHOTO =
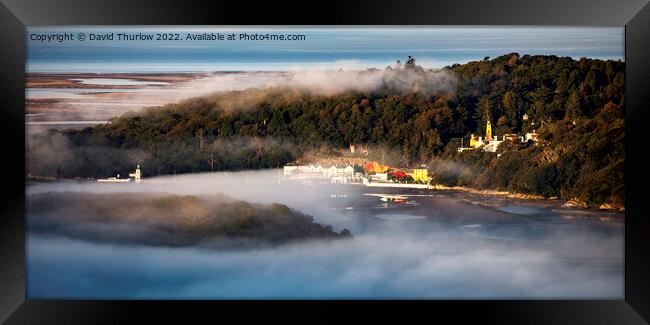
488,131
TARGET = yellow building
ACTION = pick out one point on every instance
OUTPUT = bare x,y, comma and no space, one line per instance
475,141
488,131
421,175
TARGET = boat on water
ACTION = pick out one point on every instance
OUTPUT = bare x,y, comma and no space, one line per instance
389,197
397,200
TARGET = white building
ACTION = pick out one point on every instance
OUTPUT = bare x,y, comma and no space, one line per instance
493,144
290,169
316,169
320,171
380,177
330,171
347,171
137,175
531,136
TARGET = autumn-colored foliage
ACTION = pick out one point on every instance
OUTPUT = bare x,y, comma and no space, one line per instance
375,167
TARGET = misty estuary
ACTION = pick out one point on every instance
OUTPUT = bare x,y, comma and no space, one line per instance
437,244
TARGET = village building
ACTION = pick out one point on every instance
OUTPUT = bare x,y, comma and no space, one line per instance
492,145
513,137
290,169
347,171
316,169
380,177
137,175
420,175
531,136
475,142
331,171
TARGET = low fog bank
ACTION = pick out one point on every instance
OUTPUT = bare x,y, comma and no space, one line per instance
260,186
397,80
257,187
103,106
235,92
327,203
441,264
53,154
444,248
215,221
326,82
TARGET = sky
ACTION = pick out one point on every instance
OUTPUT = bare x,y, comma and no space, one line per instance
322,48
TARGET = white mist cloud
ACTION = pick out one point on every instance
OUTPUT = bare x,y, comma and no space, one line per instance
335,82
500,256
253,88
441,264
323,80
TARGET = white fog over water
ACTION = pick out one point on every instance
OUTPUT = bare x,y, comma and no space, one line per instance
442,245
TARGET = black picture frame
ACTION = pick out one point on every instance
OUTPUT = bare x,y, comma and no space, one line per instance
633,14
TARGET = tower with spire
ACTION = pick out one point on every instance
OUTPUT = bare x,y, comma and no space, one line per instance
488,131
488,126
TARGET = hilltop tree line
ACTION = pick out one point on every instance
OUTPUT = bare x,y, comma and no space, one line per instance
266,128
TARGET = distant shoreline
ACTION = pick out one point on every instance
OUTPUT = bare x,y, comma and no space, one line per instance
69,80
566,205
506,194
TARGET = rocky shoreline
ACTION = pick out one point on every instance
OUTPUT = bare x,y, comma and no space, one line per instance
574,203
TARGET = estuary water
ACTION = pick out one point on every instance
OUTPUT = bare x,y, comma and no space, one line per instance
435,245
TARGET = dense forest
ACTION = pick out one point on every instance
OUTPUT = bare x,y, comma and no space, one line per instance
577,107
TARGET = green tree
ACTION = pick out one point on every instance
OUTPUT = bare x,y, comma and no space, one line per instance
573,106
